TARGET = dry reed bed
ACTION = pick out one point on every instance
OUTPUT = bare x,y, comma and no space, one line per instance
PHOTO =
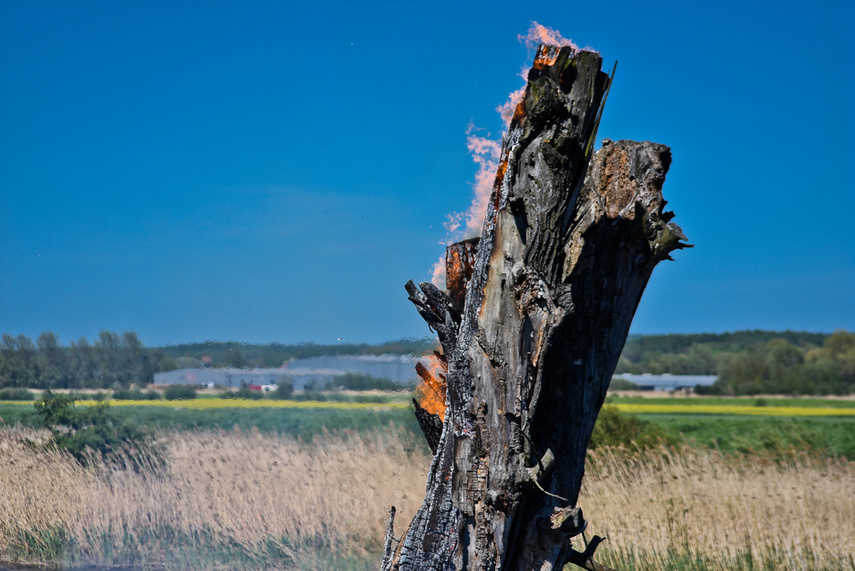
246,489
796,513
38,489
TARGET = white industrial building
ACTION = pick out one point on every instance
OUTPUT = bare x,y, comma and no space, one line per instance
650,382
399,368
220,377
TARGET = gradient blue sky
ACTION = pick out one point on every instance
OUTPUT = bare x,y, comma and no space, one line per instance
275,171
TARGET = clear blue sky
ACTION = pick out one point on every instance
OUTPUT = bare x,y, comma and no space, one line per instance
276,171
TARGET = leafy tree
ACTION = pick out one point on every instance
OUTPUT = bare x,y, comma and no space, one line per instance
16,394
361,382
840,343
778,366
284,389
20,362
109,360
187,363
317,385
700,360
135,365
243,393
7,361
234,358
83,364
179,392
614,428
839,349
621,384
160,362
86,432
53,362
135,394
782,355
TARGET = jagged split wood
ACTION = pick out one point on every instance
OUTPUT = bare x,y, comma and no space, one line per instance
532,326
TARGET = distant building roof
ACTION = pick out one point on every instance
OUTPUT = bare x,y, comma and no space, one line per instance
398,368
669,382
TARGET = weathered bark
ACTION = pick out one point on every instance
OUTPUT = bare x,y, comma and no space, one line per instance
560,267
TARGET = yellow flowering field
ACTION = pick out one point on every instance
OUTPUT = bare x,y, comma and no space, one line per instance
732,409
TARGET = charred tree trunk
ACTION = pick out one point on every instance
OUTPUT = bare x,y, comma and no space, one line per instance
532,326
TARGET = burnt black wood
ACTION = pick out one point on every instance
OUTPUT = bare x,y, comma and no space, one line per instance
567,247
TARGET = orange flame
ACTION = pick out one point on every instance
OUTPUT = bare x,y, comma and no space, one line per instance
460,261
546,56
430,392
510,108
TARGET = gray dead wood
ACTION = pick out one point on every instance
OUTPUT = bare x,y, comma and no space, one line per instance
567,247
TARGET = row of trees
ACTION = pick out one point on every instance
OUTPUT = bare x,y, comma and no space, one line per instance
113,360
751,362
700,353
122,360
747,362
119,361
778,367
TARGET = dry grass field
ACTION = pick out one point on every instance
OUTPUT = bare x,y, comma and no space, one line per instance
225,499
232,500
697,509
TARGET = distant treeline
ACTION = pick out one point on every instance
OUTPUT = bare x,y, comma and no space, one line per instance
232,354
119,361
750,362
747,362
112,361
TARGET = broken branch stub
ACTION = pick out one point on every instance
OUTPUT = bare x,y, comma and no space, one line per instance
549,290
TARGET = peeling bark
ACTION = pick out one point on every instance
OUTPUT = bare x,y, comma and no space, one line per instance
537,312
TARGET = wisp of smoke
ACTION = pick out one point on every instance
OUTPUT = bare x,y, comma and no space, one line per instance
486,152
538,34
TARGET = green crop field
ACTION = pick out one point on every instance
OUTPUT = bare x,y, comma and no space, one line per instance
304,419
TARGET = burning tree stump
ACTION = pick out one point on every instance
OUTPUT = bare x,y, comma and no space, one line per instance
532,326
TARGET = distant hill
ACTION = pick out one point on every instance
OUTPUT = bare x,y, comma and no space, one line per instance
750,362
228,353
733,342
697,353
